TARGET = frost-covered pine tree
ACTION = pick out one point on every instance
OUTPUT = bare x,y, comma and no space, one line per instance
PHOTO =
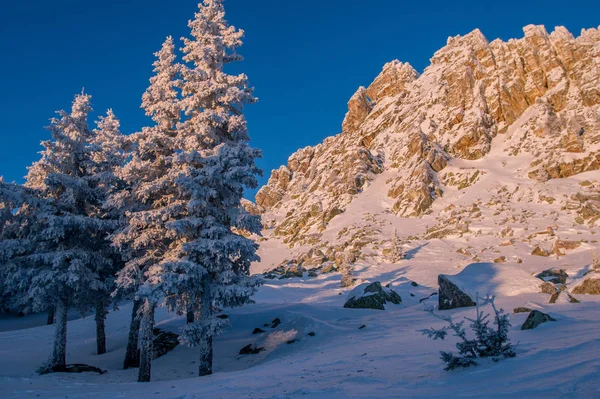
150,202
396,251
211,266
490,341
15,223
109,153
70,250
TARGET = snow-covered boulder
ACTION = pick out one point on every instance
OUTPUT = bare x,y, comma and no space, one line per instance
483,279
371,296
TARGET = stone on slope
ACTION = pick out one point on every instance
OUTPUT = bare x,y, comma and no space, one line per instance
590,285
555,276
537,251
536,318
483,279
371,296
451,296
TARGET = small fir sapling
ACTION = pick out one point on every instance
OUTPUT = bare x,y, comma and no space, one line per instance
489,341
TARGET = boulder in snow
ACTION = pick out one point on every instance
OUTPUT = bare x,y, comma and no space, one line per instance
590,285
483,279
537,251
371,296
451,296
555,276
536,318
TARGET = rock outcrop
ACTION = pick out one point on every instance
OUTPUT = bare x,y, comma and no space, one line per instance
542,92
371,296
451,296
536,318
590,285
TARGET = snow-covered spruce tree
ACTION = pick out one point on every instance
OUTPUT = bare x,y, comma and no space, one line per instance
70,252
396,251
489,341
346,270
109,153
151,200
14,225
211,266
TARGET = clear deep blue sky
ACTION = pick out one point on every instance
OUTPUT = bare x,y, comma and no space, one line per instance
305,58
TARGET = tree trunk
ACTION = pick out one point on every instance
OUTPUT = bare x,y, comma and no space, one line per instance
50,316
132,355
189,317
206,345
146,347
101,327
206,355
59,354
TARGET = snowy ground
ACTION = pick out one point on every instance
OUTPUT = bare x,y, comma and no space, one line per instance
387,359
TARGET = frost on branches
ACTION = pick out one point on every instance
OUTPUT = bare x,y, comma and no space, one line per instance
71,261
152,200
396,251
489,341
212,266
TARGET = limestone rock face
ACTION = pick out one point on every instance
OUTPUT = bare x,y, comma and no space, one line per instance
536,97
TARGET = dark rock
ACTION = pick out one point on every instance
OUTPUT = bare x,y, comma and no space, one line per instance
450,296
291,341
311,334
521,310
249,350
414,284
371,296
258,331
163,343
312,274
554,297
362,327
536,318
276,322
555,276
411,294
223,316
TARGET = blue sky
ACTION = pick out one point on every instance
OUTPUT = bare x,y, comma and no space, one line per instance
305,58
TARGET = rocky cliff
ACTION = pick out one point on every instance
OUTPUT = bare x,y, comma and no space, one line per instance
532,105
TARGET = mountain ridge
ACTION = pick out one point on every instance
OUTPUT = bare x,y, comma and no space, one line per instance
534,102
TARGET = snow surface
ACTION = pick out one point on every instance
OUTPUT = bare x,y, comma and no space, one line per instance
387,359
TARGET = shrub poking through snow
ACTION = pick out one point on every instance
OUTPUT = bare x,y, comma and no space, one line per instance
490,341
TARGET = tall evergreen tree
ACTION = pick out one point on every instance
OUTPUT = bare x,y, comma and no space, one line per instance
211,266
109,153
69,244
150,201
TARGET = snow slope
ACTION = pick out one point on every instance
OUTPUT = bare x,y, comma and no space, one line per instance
387,359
